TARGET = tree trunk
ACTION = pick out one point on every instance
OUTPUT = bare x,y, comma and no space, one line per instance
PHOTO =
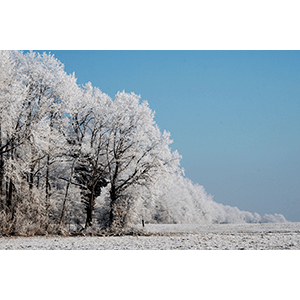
48,165
9,195
1,171
1,182
89,213
38,176
31,173
47,184
30,181
112,206
63,211
9,186
90,208
113,198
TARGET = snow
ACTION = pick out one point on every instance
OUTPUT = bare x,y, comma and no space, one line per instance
276,236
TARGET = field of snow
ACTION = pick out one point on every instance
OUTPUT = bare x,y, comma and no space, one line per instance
275,236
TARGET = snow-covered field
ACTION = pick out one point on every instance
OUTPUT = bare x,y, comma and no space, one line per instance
174,237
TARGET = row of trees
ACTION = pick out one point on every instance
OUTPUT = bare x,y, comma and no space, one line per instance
61,144
70,154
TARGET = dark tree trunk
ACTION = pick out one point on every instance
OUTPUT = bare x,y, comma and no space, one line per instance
9,185
89,215
48,167
90,207
31,176
1,182
31,173
113,197
1,172
47,183
9,195
112,212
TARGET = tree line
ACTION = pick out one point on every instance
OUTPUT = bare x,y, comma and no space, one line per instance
72,155
61,144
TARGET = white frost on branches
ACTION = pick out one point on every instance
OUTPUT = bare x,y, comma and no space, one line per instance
71,153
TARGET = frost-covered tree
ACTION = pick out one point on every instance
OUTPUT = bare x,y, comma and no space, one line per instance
117,143
34,91
11,131
88,137
137,153
48,91
179,200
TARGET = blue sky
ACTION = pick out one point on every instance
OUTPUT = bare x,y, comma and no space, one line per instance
233,116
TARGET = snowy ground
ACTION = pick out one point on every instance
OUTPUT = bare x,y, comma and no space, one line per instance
172,237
